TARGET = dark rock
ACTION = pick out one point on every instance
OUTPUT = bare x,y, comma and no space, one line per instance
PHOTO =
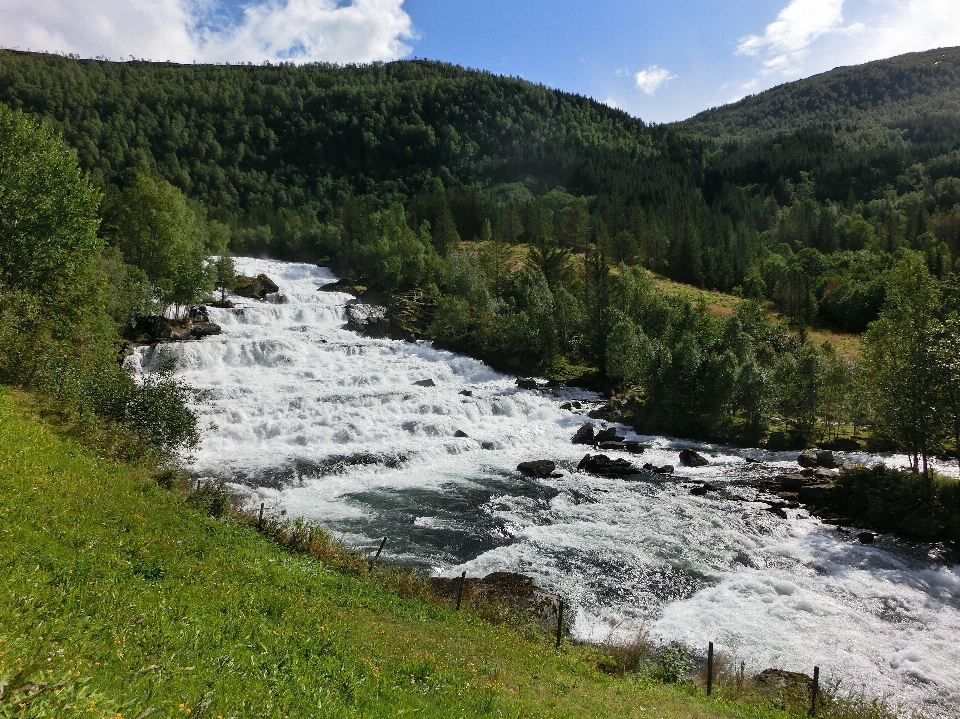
204,329
198,313
460,433
541,468
278,298
751,460
822,473
527,383
791,481
602,465
826,459
425,383
816,493
585,435
612,446
608,435
701,489
224,305
777,509
255,287
665,469
368,320
866,537
556,384
633,447
466,393
808,458
690,458
570,406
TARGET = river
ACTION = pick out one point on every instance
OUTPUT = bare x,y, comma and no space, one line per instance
323,423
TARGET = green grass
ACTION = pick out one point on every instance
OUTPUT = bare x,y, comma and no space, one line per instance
128,601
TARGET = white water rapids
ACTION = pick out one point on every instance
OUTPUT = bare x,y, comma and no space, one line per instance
329,425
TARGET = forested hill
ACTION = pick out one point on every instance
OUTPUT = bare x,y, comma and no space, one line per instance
886,92
251,140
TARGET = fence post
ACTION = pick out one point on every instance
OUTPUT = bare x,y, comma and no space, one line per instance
260,517
710,669
463,579
559,620
376,556
815,691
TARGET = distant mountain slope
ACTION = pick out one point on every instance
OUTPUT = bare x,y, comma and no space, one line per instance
884,91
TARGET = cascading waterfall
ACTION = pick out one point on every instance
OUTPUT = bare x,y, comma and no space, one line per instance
329,425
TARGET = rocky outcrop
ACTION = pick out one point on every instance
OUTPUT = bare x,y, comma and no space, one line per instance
540,468
585,435
608,435
812,458
368,320
256,288
527,383
196,325
691,458
602,465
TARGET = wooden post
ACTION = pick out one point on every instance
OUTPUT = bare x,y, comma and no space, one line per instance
463,580
260,518
710,669
376,556
815,691
559,621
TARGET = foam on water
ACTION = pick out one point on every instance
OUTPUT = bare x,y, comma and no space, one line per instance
329,425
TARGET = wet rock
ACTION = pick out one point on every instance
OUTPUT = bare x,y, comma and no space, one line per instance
633,447
277,298
541,468
585,435
466,393
665,469
608,435
702,488
256,288
816,493
204,329
602,465
368,320
866,537
570,406
527,383
460,433
621,446
791,481
822,473
691,458
425,383
808,458
826,459
751,460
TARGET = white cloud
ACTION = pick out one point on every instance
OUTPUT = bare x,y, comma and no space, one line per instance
787,39
296,30
653,78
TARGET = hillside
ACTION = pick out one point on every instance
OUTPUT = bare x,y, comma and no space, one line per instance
125,600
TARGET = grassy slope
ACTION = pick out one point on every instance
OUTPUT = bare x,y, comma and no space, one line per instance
112,579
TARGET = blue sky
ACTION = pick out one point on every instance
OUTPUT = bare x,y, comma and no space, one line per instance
660,61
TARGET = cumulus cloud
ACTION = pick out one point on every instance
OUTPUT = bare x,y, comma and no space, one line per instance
809,36
786,40
294,30
653,78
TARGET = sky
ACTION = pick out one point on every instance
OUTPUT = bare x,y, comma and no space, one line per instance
660,60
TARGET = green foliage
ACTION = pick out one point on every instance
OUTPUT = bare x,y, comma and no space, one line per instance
157,230
48,223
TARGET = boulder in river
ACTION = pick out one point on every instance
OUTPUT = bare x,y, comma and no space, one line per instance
633,447
585,435
368,320
665,469
602,465
816,493
460,434
425,383
527,383
866,537
691,458
608,435
255,288
466,393
204,329
540,468
813,458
